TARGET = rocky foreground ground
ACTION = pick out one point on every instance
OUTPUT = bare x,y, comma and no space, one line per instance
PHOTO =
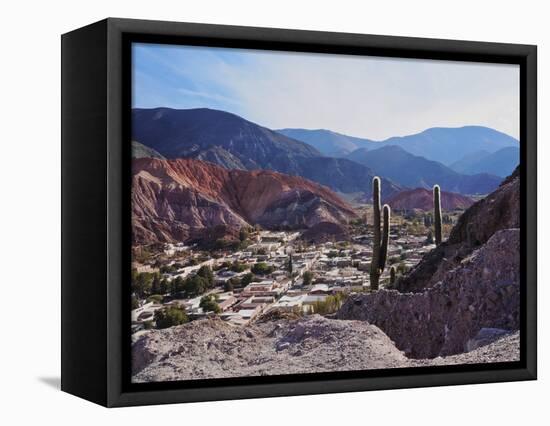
214,349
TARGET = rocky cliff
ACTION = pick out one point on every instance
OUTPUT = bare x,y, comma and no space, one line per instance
171,199
499,210
481,293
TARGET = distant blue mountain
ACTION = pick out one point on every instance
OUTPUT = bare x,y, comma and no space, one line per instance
329,143
447,145
414,171
500,163
443,144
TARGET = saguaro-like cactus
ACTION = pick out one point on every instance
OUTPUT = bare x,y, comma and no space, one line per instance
437,214
380,238
392,275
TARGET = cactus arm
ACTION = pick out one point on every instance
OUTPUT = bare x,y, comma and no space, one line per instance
385,238
437,214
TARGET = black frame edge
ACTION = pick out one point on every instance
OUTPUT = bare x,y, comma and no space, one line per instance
83,213
529,188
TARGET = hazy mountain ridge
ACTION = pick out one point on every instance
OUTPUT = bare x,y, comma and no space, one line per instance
328,142
415,171
443,144
500,163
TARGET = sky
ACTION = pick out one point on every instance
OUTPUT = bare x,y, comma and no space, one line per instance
370,97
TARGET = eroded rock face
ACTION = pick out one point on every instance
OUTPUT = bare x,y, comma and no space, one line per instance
482,292
172,198
499,210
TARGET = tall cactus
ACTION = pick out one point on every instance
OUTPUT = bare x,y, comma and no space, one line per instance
380,239
385,237
437,214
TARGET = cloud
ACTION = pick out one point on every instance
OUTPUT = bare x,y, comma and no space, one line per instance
361,96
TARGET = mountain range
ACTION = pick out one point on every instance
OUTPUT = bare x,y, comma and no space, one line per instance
173,199
443,144
500,163
328,142
344,164
413,171
235,143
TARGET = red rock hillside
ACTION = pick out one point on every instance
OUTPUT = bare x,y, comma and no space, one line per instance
422,199
172,199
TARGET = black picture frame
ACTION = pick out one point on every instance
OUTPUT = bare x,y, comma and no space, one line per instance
96,212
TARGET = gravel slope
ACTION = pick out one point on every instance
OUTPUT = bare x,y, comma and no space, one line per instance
214,349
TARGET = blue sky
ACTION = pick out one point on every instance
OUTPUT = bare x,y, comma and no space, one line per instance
369,97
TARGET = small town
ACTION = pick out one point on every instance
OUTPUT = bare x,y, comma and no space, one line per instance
269,270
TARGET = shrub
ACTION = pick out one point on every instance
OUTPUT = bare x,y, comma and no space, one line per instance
330,305
238,266
155,298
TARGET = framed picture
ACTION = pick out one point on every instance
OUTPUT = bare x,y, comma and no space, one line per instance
254,212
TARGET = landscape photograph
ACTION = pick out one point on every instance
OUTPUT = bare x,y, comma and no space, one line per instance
300,213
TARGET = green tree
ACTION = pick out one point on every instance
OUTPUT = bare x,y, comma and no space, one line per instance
195,285
228,285
177,285
209,304
155,285
262,268
141,284
170,316
238,266
247,279
164,286
206,273
308,278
